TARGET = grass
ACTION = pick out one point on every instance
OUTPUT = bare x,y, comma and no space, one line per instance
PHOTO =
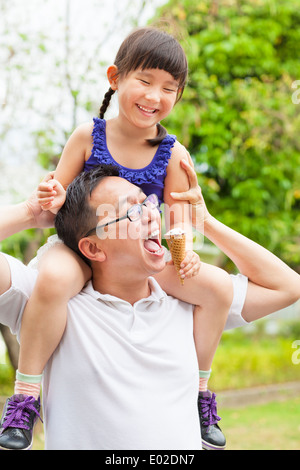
39,437
274,426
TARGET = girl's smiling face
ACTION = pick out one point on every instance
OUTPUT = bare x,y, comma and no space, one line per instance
145,97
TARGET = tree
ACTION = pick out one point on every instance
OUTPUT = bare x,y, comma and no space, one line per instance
237,116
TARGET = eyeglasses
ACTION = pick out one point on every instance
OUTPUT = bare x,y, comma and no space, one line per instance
134,213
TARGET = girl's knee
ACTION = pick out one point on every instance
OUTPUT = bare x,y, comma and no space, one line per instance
61,273
51,283
219,291
224,292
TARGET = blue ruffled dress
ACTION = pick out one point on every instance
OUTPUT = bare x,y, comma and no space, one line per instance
150,178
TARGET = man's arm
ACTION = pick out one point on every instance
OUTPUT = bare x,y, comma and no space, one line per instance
5,277
16,218
28,214
272,284
16,285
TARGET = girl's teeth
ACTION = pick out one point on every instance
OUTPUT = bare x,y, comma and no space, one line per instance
146,110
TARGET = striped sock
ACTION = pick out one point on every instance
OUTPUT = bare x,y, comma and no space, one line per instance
204,376
29,385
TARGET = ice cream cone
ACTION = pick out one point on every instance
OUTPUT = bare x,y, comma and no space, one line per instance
176,240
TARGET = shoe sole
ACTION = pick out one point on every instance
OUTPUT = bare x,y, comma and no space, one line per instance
208,446
27,448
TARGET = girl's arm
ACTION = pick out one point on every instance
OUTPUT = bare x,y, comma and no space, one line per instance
272,284
177,213
76,151
71,163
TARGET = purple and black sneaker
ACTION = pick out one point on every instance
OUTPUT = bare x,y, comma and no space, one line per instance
16,426
212,436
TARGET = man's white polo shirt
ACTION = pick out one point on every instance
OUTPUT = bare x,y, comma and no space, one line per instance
123,376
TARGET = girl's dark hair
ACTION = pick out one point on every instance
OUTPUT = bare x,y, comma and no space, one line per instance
150,48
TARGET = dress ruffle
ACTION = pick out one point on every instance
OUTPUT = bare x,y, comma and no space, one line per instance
156,170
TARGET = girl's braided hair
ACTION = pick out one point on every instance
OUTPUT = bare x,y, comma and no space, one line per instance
150,48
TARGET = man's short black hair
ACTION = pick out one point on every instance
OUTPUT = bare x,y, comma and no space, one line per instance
77,216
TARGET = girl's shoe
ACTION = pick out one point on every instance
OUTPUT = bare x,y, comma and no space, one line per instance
16,426
212,436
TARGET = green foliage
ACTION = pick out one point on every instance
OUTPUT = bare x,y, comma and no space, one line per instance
7,378
251,358
237,117
24,245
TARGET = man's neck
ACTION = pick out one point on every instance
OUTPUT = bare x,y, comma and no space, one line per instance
129,290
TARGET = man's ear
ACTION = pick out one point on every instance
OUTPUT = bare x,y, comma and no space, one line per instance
91,250
112,75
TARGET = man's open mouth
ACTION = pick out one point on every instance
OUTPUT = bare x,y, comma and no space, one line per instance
152,243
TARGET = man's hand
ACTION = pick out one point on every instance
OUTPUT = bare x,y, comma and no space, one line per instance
200,213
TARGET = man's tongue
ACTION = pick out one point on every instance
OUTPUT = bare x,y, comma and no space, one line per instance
151,246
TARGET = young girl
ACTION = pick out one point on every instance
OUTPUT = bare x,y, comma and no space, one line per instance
149,74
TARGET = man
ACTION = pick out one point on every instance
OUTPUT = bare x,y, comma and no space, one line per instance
125,375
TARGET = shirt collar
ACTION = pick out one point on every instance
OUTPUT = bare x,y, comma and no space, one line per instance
157,294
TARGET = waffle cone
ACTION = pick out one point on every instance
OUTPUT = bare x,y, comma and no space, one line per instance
176,246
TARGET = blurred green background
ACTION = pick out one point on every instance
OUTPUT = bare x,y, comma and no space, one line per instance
239,118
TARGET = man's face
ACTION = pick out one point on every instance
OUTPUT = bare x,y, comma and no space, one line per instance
133,246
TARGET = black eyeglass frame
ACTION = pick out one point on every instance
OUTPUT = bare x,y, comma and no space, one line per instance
127,215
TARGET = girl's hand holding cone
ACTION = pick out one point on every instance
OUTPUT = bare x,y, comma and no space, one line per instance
187,263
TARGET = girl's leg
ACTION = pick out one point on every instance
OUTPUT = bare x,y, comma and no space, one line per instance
62,274
212,292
